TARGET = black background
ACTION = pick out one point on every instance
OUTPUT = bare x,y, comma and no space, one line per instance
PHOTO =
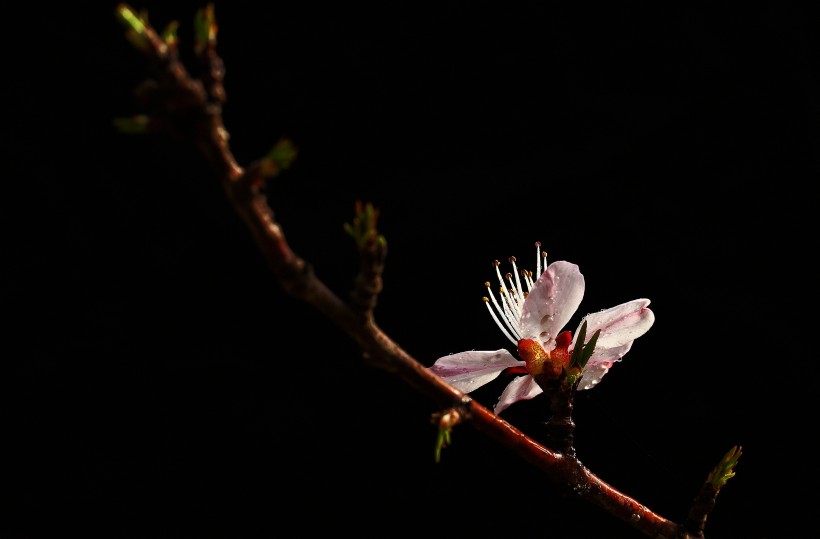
158,383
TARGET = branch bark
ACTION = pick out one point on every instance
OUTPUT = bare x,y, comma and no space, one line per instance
190,109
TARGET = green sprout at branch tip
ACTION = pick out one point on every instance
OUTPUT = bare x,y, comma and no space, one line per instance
443,439
134,125
445,422
169,35
204,28
363,229
280,157
136,25
725,468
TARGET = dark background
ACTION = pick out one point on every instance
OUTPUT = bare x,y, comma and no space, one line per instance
158,383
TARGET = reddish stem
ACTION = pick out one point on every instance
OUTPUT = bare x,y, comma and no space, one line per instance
192,111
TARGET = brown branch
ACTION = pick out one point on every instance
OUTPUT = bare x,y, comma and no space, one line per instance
190,109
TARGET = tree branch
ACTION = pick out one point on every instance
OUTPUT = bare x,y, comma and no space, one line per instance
190,109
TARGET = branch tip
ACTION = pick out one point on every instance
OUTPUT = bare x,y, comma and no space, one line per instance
363,228
724,470
445,421
138,31
205,29
279,158
169,35
137,124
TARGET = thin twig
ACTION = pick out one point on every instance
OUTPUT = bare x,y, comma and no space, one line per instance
190,109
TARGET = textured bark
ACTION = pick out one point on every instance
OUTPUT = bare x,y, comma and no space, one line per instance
190,109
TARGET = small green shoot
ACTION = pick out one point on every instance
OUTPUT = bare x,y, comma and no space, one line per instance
443,439
169,35
204,28
445,422
725,468
280,157
363,229
136,26
135,125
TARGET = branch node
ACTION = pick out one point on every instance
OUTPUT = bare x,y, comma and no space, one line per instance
446,420
372,254
705,501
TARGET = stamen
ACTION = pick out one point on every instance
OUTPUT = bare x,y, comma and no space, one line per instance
497,321
517,279
501,279
510,310
513,302
514,295
510,322
510,283
498,273
528,278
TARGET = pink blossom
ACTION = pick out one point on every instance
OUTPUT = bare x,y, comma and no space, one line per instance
539,315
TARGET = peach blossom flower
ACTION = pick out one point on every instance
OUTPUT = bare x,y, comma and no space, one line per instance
533,320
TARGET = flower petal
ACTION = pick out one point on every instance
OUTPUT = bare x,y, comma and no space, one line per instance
467,371
522,388
593,374
608,355
600,363
551,303
619,325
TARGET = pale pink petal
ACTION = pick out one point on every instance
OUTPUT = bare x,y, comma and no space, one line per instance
593,374
467,371
522,388
551,303
608,355
619,325
600,362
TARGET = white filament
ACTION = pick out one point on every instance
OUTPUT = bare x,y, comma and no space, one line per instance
498,323
507,312
509,321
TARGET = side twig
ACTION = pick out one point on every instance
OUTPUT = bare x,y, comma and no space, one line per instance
190,109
